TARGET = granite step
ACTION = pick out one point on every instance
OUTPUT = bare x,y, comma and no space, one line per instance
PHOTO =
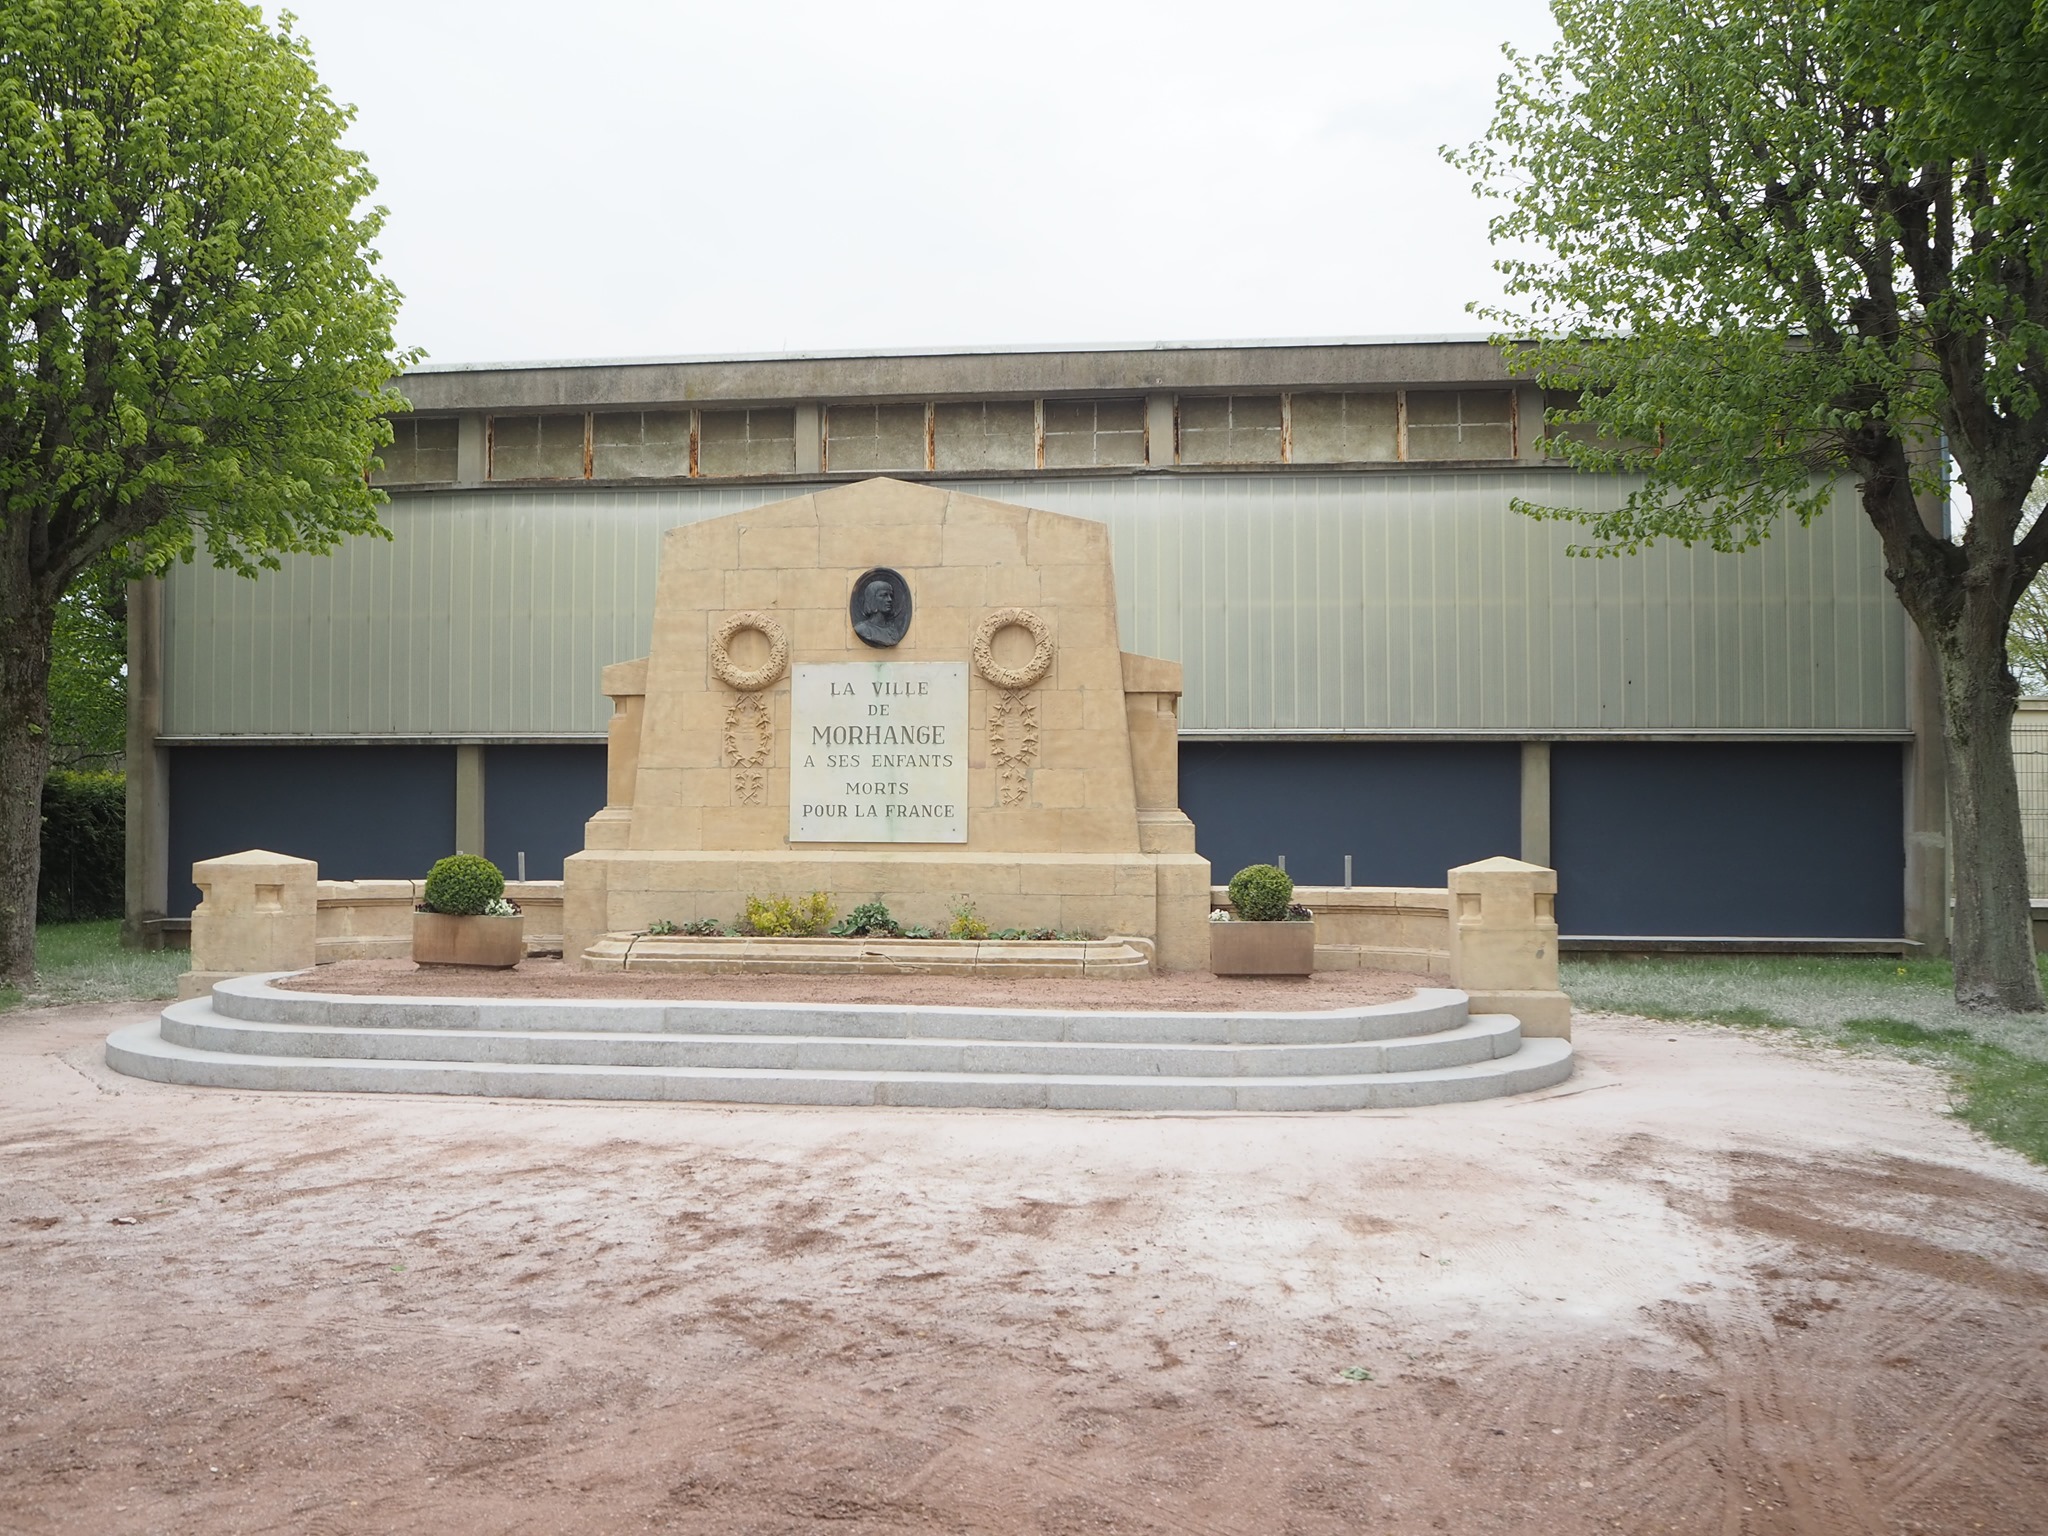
141,1050
197,1025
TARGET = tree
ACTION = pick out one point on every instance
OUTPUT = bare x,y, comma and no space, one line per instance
198,349
89,675
1774,242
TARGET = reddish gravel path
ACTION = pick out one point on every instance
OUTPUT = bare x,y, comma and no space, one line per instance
1715,1285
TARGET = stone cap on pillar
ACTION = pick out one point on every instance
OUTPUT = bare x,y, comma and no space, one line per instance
254,866
1521,892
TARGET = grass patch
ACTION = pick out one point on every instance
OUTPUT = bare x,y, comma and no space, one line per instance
1997,1063
85,963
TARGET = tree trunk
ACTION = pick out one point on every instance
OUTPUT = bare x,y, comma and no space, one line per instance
25,625
1994,931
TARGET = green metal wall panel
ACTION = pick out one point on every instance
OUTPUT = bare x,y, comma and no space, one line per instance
1299,602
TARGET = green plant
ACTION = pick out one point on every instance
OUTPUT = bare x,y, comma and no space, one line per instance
85,847
1261,893
869,920
463,885
966,922
661,928
779,917
703,928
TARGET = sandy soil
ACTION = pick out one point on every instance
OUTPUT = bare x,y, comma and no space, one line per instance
1714,1284
1180,990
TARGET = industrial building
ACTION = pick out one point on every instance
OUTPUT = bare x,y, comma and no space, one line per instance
1385,662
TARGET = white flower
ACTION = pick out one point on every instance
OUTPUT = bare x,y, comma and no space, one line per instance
1219,916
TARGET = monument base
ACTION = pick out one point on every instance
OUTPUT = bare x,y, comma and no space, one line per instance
1160,896
1110,958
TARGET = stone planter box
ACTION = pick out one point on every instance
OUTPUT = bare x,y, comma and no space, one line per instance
495,942
1262,949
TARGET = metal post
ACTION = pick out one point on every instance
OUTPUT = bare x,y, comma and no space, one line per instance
522,864
1283,863
1347,871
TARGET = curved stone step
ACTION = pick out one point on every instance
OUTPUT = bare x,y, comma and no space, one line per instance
141,1051
195,1024
254,1000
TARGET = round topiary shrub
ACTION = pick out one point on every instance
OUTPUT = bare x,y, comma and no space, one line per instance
1261,893
463,885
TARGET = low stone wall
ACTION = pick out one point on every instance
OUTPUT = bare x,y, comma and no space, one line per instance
372,919
1374,927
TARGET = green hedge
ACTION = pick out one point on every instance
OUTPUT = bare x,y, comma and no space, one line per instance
85,847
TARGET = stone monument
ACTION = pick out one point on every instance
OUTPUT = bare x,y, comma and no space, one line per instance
891,692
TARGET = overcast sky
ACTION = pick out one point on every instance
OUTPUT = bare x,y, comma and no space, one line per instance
623,178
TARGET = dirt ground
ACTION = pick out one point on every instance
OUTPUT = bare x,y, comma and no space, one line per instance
1714,1284
1173,990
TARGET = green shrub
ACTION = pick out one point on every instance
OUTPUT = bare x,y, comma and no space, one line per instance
704,928
966,923
869,920
1261,893
661,928
85,847
781,918
463,885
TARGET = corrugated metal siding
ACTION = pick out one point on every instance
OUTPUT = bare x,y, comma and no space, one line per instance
1299,602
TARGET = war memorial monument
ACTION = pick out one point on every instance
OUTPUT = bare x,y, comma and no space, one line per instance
903,695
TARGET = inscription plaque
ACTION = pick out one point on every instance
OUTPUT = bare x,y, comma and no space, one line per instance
878,752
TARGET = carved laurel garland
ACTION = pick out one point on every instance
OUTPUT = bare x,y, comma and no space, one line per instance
749,736
1013,742
749,728
1041,654
749,679
1012,710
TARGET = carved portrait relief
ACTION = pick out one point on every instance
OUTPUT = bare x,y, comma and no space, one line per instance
880,607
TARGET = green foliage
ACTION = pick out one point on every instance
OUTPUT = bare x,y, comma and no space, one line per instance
84,847
807,917
869,920
89,675
1261,893
1751,286
965,922
703,928
463,885
200,347
661,928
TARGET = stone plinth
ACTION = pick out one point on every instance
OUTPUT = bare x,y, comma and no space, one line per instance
258,911
1504,943
1070,817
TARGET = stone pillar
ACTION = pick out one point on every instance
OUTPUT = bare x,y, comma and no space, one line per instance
258,911
1504,943
1152,712
625,684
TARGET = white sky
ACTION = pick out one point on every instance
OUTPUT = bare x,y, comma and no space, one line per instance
626,178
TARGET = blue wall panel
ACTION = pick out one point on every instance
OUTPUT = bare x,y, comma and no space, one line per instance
537,799
1730,840
364,813
1404,812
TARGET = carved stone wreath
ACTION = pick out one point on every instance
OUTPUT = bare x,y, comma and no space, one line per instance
749,679
1013,678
